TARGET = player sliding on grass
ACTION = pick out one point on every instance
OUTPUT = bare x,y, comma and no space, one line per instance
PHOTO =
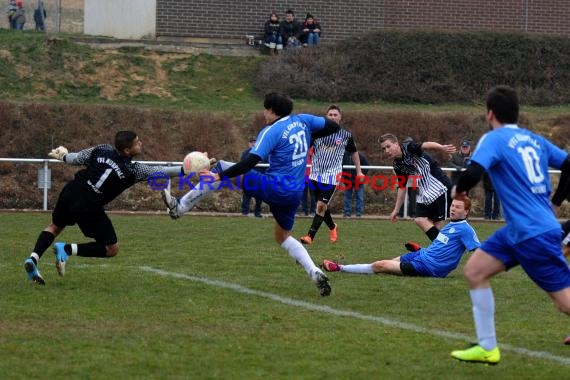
284,143
441,257
517,162
108,172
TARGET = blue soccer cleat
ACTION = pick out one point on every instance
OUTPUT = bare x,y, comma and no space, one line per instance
60,257
33,272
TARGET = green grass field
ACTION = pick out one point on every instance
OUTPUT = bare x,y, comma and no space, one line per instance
215,298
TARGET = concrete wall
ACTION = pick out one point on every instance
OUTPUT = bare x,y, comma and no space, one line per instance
130,19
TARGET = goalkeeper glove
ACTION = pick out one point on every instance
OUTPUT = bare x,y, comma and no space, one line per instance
58,153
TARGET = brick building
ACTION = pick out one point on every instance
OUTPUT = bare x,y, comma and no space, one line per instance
342,18
230,19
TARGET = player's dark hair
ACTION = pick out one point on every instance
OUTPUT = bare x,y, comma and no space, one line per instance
280,104
124,140
289,12
504,103
388,136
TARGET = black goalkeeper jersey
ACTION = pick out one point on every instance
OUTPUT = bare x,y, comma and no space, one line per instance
107,174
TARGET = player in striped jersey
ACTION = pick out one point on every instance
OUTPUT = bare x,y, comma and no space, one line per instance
433,184
325,170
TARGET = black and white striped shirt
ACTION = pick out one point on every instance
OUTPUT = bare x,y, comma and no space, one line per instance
432,182
327,156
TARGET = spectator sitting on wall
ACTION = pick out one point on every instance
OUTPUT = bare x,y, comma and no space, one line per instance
272,36
311,31
290,30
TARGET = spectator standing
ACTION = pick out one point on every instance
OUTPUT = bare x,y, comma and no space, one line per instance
310,31
290,30
309,202
353,191
492,203
20,16
459,160
11,12
246,198
40,16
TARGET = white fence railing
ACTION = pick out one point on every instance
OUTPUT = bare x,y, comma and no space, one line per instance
46,177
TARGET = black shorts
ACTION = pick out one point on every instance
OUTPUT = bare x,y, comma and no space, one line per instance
408,269
436,211
73,207
323,192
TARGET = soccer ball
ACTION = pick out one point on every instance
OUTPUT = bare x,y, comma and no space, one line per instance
195,162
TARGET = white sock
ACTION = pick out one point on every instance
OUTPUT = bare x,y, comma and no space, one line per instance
191,198
357,268
74,249
296,250
484,316
35,256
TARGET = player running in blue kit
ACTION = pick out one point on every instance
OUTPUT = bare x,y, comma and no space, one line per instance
441,257
517,161
284,143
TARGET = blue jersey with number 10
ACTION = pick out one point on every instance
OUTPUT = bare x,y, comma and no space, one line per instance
517,161
285,145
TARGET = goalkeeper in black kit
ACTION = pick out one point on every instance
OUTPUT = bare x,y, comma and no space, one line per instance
108,172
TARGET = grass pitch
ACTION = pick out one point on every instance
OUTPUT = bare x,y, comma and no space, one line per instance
215,298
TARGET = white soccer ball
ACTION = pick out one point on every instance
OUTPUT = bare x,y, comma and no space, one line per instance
194,162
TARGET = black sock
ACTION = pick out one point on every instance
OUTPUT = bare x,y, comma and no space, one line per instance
432,233
93,249
43,243
328,219
317,221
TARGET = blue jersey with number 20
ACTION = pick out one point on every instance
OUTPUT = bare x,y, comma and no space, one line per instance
285,145
517,161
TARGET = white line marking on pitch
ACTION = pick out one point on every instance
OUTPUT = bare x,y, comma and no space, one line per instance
353,314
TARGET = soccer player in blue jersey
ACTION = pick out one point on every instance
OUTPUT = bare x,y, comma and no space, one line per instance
284,143
517,161
441,257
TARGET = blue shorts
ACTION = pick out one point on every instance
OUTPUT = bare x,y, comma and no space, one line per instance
283,203
540,257
413,258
